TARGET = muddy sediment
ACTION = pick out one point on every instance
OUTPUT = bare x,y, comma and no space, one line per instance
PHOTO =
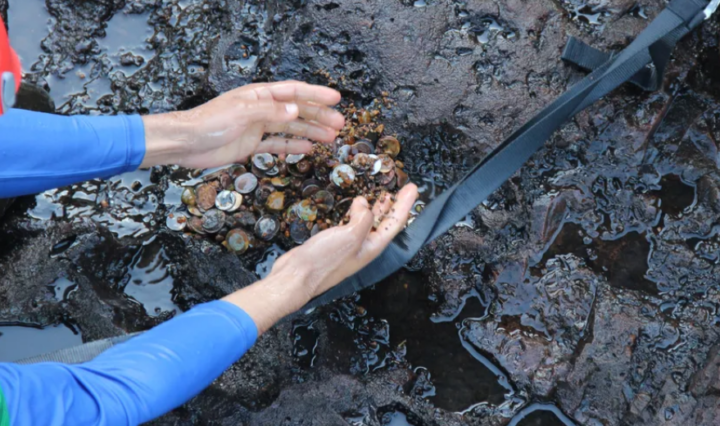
587,282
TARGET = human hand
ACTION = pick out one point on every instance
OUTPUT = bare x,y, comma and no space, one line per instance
230,128
326,259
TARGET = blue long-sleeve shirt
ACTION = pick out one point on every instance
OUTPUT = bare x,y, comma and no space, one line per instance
147,376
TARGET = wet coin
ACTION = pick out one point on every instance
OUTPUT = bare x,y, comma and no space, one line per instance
267,228
176,221
246,183
188,197
343,176
237,240
275,201
213,221
228,201
263,162
206,194
294,158
389,145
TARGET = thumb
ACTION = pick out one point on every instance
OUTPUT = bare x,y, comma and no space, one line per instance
271,111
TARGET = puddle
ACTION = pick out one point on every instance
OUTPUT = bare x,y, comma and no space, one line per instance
125,204
46,207
264,267
62,246
29,25
84,84
135,181
126,48
149,281
593,15
398,415
305,341
675,195
173,195
127,33
541,415
395,419
63,288
624,261
18,342
460,378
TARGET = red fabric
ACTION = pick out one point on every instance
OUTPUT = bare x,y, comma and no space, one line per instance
8,59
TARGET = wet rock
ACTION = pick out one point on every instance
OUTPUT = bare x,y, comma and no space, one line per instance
33,98
537,324
128,59
4,206
628,329
358,401
588,276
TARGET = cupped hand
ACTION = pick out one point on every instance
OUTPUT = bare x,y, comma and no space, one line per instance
326,259
337,253
231,127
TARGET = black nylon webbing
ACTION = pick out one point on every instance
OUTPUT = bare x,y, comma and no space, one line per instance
589,59
652,47
643,63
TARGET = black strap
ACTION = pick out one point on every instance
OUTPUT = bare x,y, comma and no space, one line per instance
589,59
644,59
643,62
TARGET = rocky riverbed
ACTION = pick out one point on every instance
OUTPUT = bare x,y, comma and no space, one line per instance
585,290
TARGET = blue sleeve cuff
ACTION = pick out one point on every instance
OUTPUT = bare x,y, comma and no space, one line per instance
136,141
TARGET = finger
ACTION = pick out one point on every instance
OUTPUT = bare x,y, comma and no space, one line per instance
395,220
295,91
282,146
361,218
381,208
271,111
382,205
303,129
322,114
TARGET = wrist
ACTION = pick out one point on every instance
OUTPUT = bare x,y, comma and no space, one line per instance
294,281
165,136
268,301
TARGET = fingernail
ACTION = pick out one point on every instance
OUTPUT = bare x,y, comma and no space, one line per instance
291,109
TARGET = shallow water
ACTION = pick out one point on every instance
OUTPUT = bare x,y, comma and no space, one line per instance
149,282
541,415
30,24
63,288
126,33
458,378
19,342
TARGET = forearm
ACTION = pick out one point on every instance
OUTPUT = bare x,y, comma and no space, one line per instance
287,289
42,151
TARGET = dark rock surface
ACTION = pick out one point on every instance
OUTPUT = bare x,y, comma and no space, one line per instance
588,280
